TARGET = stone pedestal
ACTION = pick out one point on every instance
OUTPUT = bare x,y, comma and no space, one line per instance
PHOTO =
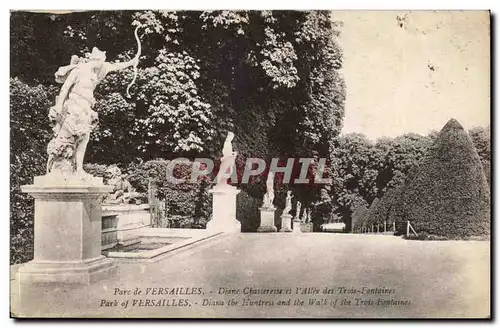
67,231
267,220
286,223
224,209
296,226
130,218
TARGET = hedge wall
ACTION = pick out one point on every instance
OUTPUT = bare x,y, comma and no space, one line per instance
29,135
189,200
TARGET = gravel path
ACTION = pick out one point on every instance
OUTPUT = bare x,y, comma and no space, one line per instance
381,276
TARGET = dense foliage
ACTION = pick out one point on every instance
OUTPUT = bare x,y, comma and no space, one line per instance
189,200
247,211
481,138
187,96
29,137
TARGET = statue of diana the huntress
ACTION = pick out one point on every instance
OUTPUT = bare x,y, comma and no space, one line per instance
72,115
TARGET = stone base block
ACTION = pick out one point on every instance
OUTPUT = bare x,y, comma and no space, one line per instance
296,226
234,226
78,272
286,223
267,220
224,210
67,230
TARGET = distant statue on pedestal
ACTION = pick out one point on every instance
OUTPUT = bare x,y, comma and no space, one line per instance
288,202
286,218
304,216
296,219
269,195
227,150
224,195
297,211
227,160
267,209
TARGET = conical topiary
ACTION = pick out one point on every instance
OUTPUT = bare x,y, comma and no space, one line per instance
380,213
448,195
357,217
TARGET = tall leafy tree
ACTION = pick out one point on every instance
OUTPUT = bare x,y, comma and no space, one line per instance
356,172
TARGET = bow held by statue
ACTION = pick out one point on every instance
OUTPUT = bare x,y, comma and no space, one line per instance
136,62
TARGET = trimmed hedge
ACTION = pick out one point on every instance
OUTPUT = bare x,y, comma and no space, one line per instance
364,218
357,217
247,211
381,211
448,195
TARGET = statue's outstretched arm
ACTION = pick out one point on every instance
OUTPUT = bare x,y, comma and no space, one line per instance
118,66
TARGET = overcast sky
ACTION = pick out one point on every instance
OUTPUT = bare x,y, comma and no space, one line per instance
416,77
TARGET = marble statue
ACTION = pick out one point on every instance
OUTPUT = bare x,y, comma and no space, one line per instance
227,150
68,211
227,160
269,195
304,215
123,192
72,114
288,202
286,218
224,195
297,211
